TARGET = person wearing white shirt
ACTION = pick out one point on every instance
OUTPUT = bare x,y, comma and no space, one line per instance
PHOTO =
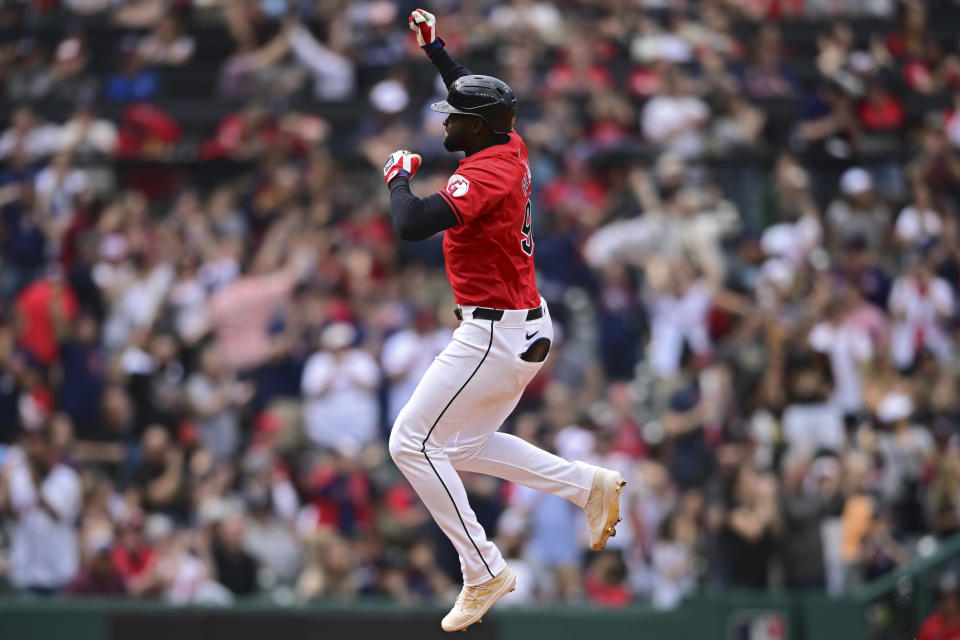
57,188
86,134
920,303
678,318
406,356
45,499
33,137
849,349
674,121
339,385
918,223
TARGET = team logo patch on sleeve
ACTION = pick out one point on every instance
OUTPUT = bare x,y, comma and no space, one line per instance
457,185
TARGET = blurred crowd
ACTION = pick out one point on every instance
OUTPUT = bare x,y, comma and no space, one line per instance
748,239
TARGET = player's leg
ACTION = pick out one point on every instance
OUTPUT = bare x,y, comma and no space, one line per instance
481,448
460,384
478,446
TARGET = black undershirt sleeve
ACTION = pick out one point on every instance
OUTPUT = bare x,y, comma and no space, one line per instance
414,218
449,68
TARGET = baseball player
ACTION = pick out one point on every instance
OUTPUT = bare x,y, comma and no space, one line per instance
450,423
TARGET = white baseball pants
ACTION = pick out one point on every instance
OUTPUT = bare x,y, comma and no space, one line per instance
451,423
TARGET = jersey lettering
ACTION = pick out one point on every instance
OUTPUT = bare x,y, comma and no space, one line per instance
526,242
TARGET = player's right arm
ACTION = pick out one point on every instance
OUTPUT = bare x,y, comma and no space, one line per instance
425,26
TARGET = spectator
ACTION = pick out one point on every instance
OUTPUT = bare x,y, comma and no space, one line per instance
604,581
674,119
87,136
406,356
70,77
98,576
27,134
906,450
678,308
765,76
850,351
254,69
737,125
690,461
673,563
59,188
213,395
943,496
809,493
84,373
937,163
881,553
44,501
166,45
944,622
133,81
880,111
338,382
45,310
10,390
858,213
333,74
159,484
182,572
236,569
920,304
749,529
918,223
133,557
270,541
828,129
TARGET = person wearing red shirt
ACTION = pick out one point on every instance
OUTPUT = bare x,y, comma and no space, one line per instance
450,423
45,310
880,111
133,557
944,623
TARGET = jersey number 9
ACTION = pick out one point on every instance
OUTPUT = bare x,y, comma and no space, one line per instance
526,242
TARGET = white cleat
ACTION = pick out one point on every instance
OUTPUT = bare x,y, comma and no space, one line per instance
474,602
603,506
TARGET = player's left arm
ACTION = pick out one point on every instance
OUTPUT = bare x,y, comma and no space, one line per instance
414,218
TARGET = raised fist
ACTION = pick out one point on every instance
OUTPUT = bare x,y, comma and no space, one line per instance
401,163
426,27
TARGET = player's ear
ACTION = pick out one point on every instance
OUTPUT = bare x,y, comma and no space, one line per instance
479,128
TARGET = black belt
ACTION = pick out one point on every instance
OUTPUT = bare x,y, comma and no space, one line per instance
483,313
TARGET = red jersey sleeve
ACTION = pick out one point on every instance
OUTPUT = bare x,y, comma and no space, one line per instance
474,191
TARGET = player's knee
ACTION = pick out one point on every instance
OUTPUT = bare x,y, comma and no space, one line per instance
400,443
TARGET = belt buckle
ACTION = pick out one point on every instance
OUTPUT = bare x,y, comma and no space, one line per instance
458,313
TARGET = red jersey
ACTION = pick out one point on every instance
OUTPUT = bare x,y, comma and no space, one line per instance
489,253
936,627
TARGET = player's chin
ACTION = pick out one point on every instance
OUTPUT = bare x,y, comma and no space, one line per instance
450,144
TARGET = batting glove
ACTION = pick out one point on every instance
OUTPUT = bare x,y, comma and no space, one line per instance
401,163
426,27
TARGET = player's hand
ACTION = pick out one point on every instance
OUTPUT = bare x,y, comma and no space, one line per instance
401,163
426,27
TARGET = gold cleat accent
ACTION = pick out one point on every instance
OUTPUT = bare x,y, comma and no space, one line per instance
603,507
474,602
